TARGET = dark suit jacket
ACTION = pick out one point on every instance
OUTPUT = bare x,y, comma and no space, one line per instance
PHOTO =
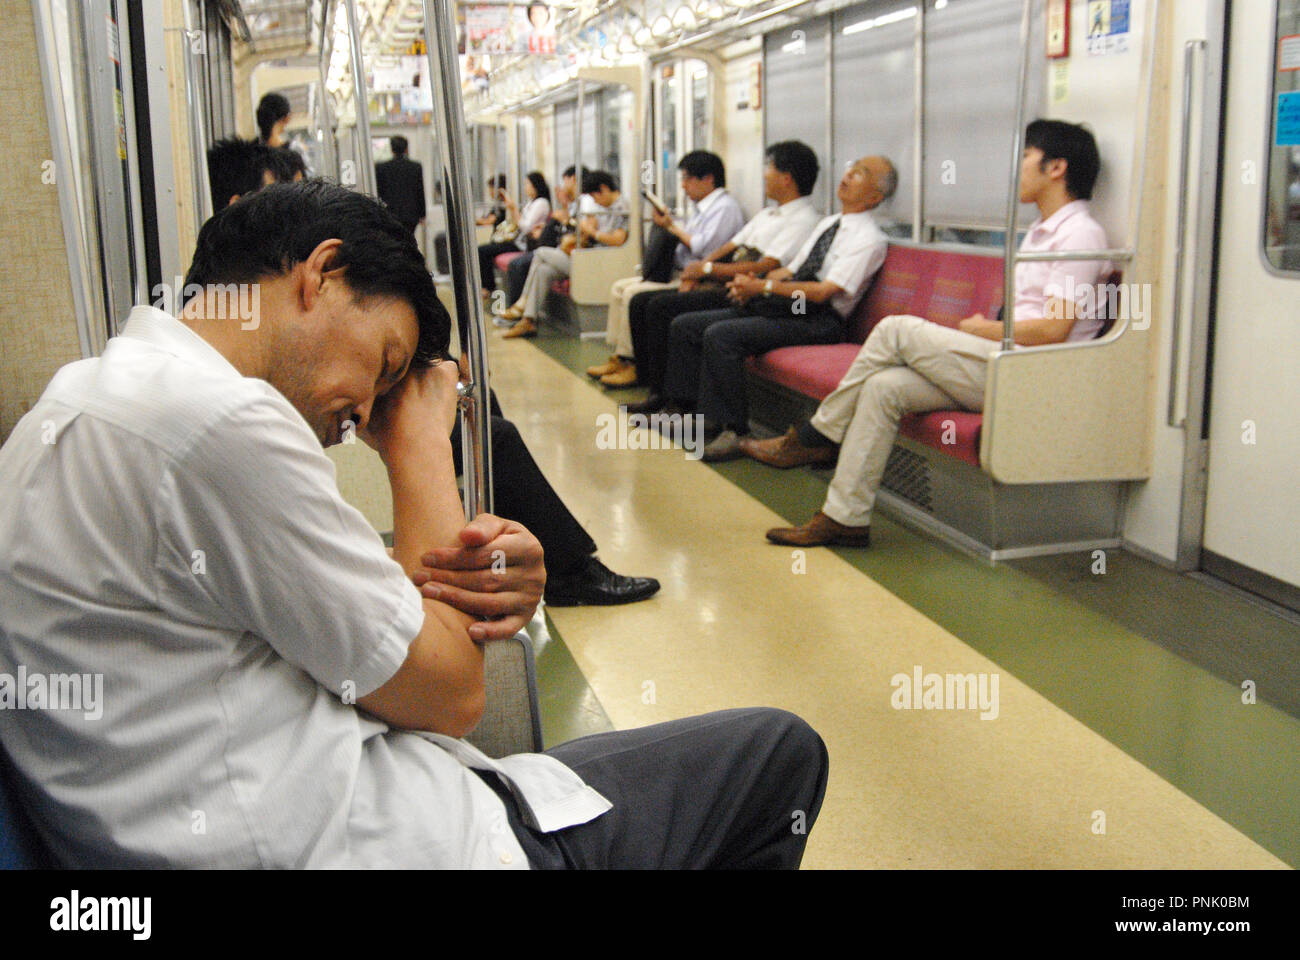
401,185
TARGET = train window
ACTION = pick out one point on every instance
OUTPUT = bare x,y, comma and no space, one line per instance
795,93
525,148
699,105
972,51
618,142
668,114
1282,209
879,116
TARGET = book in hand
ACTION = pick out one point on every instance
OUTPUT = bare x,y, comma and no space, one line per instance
655,202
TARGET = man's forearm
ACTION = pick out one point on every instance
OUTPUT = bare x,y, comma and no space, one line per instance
427,511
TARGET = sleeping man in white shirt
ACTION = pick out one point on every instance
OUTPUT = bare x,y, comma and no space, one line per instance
172,525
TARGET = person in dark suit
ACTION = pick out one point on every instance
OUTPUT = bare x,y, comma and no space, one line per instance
400,182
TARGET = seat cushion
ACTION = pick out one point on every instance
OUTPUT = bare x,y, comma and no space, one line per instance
955,432
561,287
813,370
502,260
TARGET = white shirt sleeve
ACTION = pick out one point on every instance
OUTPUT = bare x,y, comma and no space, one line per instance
536,212
253,535
856,262
1080,277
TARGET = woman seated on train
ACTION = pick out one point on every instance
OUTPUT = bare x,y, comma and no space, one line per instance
603,221
512,234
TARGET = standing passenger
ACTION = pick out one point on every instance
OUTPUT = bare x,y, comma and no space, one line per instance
400,184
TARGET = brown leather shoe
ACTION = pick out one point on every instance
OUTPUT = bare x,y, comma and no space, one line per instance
624,376
524,328
821,531
600,370
786,451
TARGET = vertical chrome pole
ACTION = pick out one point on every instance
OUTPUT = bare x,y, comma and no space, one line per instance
328,138
361,109
577,141
196,107
918,126
449,117
1013,200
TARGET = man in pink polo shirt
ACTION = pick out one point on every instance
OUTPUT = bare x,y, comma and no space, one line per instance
909,365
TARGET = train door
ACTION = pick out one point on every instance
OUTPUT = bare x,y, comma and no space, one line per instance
1253,500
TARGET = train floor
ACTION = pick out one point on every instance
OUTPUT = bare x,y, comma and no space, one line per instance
1118,735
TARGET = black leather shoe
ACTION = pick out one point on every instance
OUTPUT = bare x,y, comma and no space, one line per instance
595,585
652,404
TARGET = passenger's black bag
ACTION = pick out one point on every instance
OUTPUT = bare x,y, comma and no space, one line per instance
657,264
550,236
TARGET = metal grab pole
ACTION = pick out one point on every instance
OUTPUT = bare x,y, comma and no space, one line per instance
361,110
1013,201
577,145
449,118
196,106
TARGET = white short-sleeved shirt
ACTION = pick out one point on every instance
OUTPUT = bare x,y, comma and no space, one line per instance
1070,228
780,232
856,253
175,528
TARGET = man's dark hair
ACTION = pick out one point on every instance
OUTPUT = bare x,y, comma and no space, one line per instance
702,163
593,180
539,184
286,164
271,109
265,234
399,145
569,171
797,159
1075,145
237,166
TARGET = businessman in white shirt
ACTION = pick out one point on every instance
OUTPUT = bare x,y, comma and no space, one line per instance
172,525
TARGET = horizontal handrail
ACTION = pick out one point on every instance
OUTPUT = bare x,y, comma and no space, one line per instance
1038,256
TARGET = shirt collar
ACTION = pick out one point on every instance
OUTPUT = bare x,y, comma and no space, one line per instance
1053,223
793,206
168,334
711,199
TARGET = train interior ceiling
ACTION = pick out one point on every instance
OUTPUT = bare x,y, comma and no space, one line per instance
1120,541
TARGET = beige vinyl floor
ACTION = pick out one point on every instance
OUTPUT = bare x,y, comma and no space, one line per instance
739,622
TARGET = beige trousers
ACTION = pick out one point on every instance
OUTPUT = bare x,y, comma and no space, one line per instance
618,332
907,365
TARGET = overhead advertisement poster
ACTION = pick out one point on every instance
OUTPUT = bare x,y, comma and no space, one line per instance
510,28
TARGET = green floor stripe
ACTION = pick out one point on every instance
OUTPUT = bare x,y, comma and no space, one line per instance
1107,649
569,706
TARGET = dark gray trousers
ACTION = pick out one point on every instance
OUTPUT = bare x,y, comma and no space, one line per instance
735,789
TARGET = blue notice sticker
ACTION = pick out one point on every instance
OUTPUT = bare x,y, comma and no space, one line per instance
1118,16
1288,120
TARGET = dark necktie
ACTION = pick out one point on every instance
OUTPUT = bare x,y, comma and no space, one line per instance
817,254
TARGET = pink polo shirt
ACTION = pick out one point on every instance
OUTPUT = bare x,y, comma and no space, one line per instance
1070,228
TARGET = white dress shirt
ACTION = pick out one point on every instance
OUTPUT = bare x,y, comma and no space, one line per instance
1070,228
780,231
176,528
855,255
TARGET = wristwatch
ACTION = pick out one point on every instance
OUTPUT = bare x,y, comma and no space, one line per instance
708,267
767,288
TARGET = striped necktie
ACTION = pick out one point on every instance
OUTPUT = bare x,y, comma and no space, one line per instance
817,254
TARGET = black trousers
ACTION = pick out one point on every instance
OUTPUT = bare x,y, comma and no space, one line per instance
651,314
520,493
516,276
735,789
487,252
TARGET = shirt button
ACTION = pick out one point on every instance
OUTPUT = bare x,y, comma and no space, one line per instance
507,857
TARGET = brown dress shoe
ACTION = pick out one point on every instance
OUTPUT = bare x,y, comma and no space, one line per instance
821,531
524,328
786,451
624,376
600,370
